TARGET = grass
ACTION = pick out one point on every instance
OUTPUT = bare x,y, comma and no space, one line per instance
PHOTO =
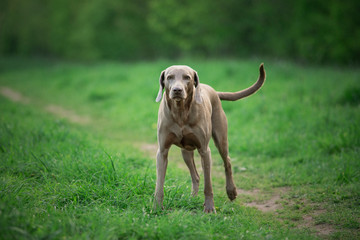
63,180
57,183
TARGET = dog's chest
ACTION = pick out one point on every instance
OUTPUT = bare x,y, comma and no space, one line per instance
187,138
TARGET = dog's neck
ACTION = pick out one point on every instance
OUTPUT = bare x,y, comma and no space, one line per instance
180,110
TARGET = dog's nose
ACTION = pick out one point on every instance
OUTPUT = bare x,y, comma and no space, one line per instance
177,90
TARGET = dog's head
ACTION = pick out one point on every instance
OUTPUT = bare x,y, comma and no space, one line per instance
179,83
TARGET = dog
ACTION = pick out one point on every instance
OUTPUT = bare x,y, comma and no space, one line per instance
190,114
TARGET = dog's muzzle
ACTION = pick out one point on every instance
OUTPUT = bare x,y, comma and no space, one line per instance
177,93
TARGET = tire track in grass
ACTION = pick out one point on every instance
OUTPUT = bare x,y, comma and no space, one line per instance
269,205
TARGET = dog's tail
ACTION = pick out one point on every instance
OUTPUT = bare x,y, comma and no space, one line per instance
233,96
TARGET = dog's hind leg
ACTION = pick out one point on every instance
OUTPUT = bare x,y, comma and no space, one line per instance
189,160
221,142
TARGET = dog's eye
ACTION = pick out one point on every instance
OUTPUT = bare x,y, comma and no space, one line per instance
186,77
170,77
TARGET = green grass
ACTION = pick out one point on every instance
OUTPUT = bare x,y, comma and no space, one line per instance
62,180
58,183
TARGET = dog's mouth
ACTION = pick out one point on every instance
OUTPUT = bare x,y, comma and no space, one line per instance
177,99
177,96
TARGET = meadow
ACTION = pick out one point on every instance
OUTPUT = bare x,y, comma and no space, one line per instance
74,165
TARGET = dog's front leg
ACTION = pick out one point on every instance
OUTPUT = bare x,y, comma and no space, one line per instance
161,165
206,165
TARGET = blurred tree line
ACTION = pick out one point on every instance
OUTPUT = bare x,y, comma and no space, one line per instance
307,30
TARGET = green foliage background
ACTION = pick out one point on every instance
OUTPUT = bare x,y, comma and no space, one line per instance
306,30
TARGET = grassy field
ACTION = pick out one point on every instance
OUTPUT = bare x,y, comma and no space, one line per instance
73,163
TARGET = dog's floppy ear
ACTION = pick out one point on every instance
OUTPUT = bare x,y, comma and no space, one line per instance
197,88
162,85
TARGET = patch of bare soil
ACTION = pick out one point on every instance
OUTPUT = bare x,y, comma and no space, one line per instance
322,229
265,203
269,205
13,95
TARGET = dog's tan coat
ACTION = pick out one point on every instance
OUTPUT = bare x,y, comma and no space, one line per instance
190,114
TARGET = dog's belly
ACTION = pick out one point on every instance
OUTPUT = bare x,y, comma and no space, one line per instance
188,142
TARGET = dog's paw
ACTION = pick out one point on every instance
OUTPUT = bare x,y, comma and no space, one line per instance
194,193
232,193
158,206
209,207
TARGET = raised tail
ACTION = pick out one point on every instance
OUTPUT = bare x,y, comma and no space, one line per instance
233,96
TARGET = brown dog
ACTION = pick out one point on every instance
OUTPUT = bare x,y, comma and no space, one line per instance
190,114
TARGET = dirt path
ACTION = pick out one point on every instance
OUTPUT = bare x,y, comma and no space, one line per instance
13,95
67,114
55,110
263,201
